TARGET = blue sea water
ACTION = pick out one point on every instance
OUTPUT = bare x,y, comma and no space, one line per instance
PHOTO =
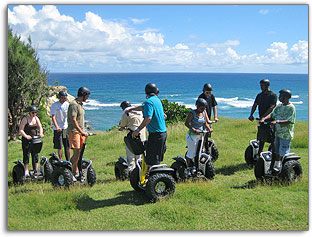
234,92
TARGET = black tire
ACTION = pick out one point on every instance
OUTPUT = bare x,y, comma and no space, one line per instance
214,153
179,171
249,156
18,175
62,177
160,186
91,176
121,172
210,170
135,179
48,171
259,170
291,172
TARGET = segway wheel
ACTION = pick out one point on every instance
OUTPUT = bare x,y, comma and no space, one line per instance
91,176
121,172
135,179
210,171
291,172
259,170
160,186
249,156
48,171
18,175
214,153
179,171
62,177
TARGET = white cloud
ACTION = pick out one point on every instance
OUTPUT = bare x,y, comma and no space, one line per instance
139,21
98,44
264,11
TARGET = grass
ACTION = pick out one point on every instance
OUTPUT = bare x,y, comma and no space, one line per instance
232,201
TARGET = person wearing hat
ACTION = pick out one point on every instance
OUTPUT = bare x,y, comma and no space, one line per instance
265,101
59,118
28,128
211,101
76,124
131,120
154,120
284,116
196,120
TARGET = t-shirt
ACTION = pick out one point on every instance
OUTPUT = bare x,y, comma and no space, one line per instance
133,120
284,112
60,112
211,102
75,109
265,100
153,108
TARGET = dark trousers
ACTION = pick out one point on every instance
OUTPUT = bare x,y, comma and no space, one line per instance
156,148
26,151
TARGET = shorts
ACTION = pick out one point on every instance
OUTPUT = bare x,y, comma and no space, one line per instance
265,133
156,148
59,140
192,143
76,140
282,146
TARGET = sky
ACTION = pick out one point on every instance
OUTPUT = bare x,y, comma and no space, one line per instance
166,38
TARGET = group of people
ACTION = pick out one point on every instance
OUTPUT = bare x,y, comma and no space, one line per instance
68,122
68,126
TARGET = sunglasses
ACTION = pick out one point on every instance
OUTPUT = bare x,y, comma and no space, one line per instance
33,112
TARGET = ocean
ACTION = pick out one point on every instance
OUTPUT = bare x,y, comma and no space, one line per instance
234,92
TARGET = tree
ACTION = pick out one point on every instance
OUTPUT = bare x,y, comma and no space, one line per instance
27,81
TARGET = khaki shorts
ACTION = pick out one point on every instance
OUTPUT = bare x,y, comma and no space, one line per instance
75,140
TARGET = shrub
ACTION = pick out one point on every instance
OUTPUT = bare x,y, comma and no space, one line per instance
174,111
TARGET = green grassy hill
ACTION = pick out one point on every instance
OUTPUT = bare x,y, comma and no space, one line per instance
232,201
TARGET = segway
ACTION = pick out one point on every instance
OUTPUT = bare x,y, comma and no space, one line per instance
251,152
157,180
62,175
290,172
201,167
45,172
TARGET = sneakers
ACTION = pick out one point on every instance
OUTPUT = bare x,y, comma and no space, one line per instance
277,166
75,177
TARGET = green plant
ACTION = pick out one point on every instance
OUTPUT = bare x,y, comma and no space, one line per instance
174,111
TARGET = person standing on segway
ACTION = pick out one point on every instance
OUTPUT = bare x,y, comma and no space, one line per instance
154,120
28,129
59,111
211,101
76,133
266,102
284,116
131,120
196,121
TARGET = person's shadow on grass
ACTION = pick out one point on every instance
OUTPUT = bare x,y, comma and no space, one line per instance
87,203
231,169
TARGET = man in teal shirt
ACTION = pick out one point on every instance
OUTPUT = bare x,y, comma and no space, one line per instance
284,116
154,120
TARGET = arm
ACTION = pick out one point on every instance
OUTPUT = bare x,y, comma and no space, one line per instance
188,123
76,125
55,123
40,127
253,109
144,123
214,108
138,108
270,109
21,129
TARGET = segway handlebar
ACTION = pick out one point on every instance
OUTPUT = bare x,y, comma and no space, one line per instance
264,122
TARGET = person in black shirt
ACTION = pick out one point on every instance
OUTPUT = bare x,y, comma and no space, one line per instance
211,101
266,101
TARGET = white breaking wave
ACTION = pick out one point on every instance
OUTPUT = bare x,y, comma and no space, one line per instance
96,105
295,96
297,102
235,102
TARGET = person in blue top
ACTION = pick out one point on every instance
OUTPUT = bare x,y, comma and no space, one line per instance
154,120
196,120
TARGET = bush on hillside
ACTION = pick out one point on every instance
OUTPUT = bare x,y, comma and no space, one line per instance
174,111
